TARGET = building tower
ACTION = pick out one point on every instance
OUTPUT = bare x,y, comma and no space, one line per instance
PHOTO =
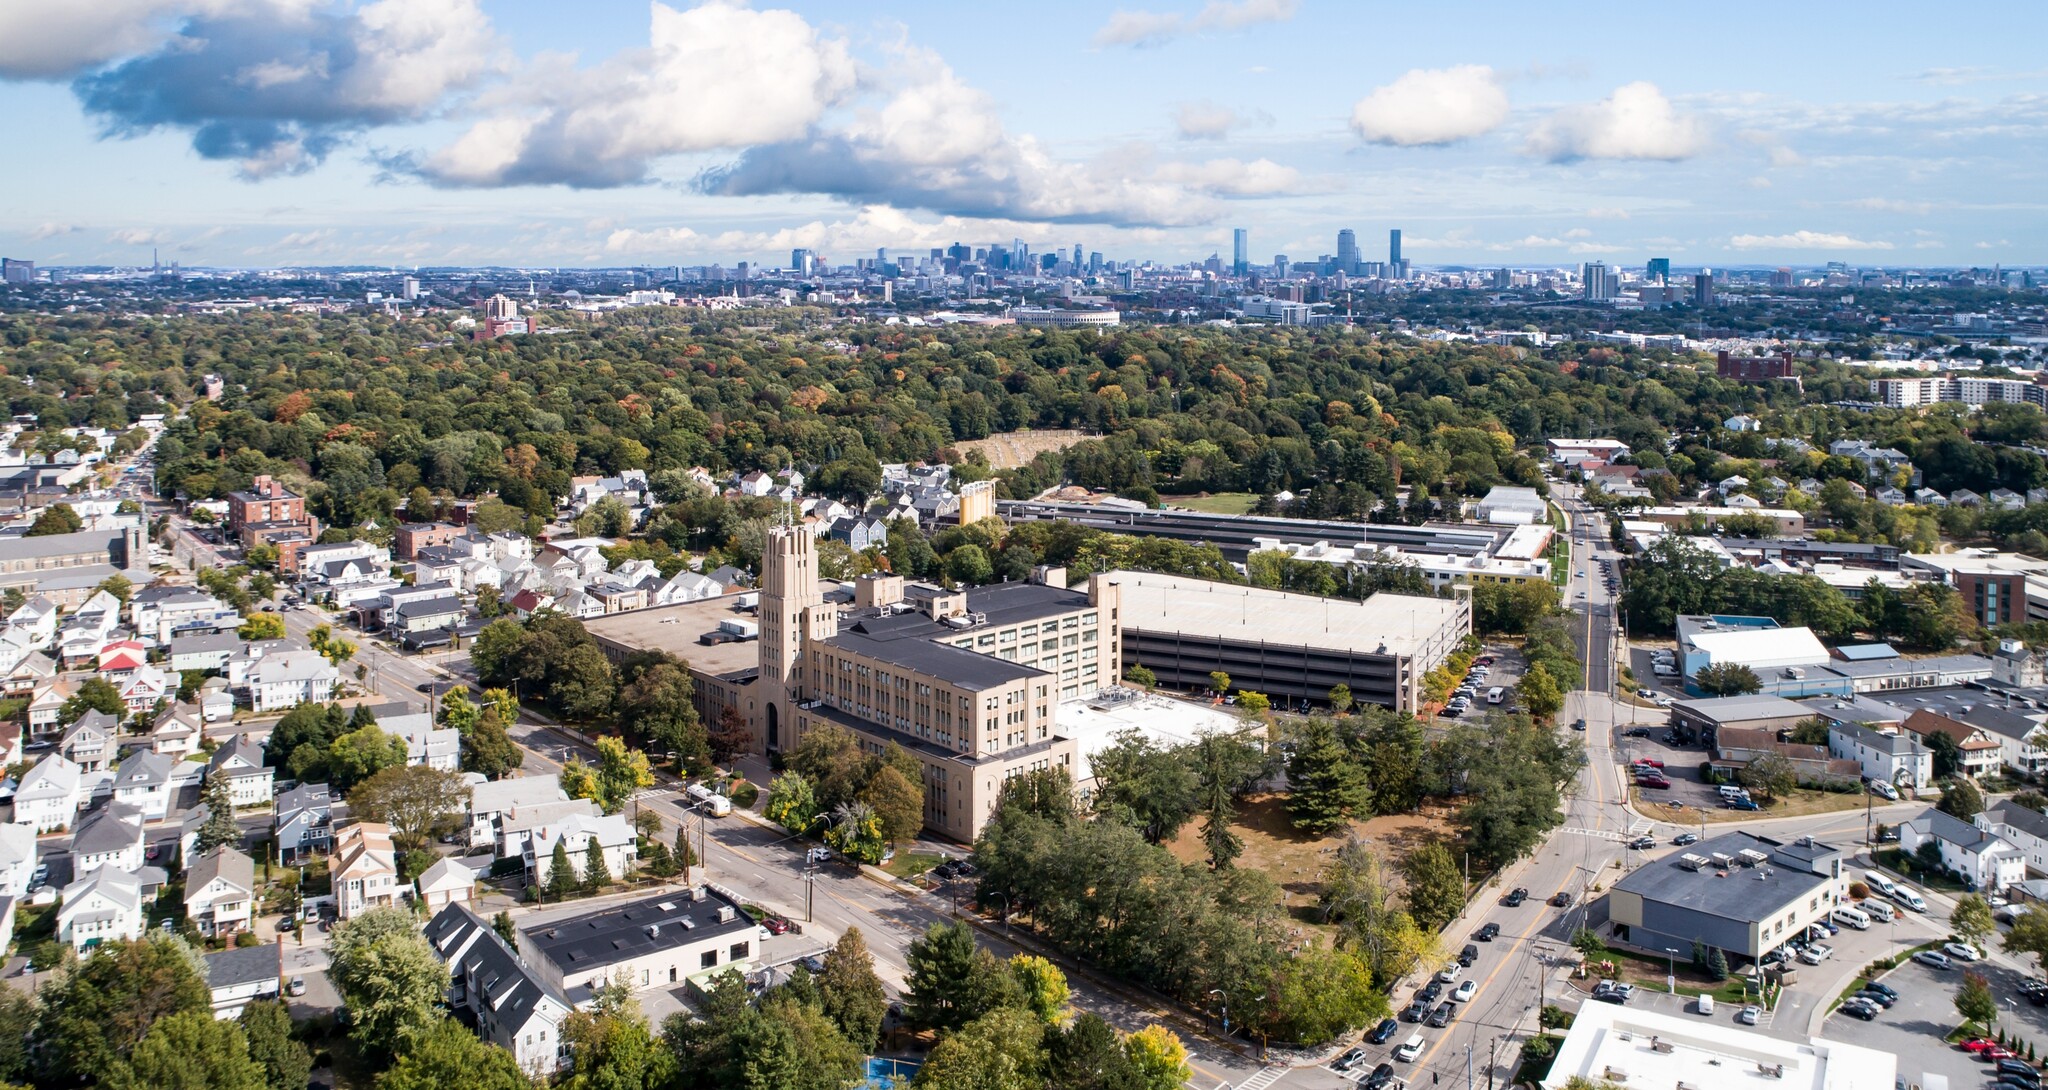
1394,248
1347,251
792,613
1240,252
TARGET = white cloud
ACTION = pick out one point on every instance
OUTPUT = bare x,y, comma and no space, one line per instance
719,75
1994,245
59,40
137,236
1598,248
1607,213
1432,106
53,230
1888,204
1149,28
873,226
1232,177
1578,232
300,240
1635,122
1204,120
1805,240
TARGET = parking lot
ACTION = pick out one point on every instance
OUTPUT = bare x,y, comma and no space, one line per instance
1914,1028
1505,671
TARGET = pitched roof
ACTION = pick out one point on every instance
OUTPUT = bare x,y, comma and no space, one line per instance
238,870
111,829
2011,814
476,954
237,966
1954,830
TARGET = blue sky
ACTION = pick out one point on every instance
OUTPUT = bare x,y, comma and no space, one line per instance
280,132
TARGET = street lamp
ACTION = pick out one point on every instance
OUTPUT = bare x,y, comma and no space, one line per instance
1006,911
1671,969
1226,1009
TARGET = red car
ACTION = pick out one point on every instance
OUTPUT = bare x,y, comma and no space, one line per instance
1483,660
1649,762
776,925
1996,1053
1978,1044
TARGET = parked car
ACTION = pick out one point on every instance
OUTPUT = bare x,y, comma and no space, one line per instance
1748,1015
1449,974
1977,1044
1815,953
1415,1010
1442,1015
1683,839
1878,998
1884,790
1468,955
296,986
1488,932
1432,991
1865,1011
1516,896
1636,732
1961,951
1885,990
1933,960
1384,1032
776,925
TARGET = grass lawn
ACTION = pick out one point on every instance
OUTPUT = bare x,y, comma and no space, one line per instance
1214,503
1652,973
912,864
1896,861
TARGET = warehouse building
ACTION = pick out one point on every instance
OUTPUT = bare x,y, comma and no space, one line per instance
676,936
1293,648
1737,892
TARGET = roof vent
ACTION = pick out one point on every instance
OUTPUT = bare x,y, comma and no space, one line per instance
653,930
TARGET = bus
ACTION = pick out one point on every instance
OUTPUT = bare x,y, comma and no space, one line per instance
715,804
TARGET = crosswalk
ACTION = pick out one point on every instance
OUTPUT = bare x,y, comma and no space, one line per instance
1597,834
1264,1077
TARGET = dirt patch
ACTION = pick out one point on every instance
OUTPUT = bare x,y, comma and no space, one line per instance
1016,449
1296,861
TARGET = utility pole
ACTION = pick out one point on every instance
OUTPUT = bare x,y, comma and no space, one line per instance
810,888
1468,1065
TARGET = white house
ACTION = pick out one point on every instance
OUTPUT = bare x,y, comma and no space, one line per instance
109,837
1984,859
521,824
511,1006
2023,828
177,731
18,856
364,869
89,742
104,906
249,779
448,881
220,891
490,801
48,795
144,783
611,831
282,681
1894,756
238,976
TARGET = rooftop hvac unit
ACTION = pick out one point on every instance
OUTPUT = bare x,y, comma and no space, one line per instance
687,924
1723,860
725,914
1691,861
654,931
1750,857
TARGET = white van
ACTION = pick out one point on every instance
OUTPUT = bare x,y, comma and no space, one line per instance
1705,1004
1496,694
1856,918
1410,1050
1907,897
1879,882
1881,911
715,804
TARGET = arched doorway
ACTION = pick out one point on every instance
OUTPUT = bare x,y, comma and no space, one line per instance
774,727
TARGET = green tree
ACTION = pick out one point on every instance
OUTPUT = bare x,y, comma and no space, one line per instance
1252,703
562,880
1159,1057
1086,1054
2029,935
489,751
1328,787
1540,693
684,855
969,565
445,1054
262,626
1946,755
856,833
94,1015
418,802
597,874
94,694
1770,775
660,706
190,1050
851,993
1142,677
389,976
1219,682
1320,994
495,651
1961,799
1727,679
1975,1002
18,1013
220,827
1340,698
898,801
361,754
618,774
1043,985
1141,785
791,803
1971,920
1436,888
952,981
612,1048
1000,1050
58,518
267,1027
117,585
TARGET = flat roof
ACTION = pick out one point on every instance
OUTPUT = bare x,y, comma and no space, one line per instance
1762,647
676,629
1094,722
911,646
623,932
1384,624
1609,1042
1731,709
1741,894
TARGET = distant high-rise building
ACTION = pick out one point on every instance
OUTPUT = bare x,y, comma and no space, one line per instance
15,271
1394,248
1659,270
802,262
1077,257
741,272
1781,278
411,289
1095,262
1240,252
1280,266
1598,281
1347,251
497,306
1703,288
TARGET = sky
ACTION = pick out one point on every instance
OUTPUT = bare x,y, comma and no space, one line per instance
609,132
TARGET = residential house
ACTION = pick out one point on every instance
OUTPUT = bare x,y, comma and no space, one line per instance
1928,497
207,652
448,881
106,905
216,703
364,869
35,623
660,941
1891,755
2023,827
141,690
110,836
304,823
19,854
1736,747
144,782
239,976
1985,860
48,796
177,731
510,1005
90,741
220,892
1742,422
1979,752
30,671
686,586
860,533
520,825
2005,499
249,779
1963,497
162,613
489,802
122,656
46,708
241,668
283,681
614,835
412,618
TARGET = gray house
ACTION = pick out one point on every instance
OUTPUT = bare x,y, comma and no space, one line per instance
304,825
859,533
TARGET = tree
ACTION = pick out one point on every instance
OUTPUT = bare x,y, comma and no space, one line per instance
1540,692
1086,1054
1358,898
1436,888
262,626
1340,698
1771,775
850,991
791,803
337,650
419,802
388,975
117,585
1946,755
1727,679
562,880
18,1012
220,827
948,984
496,649
1219,682
1043,985
190,1050
1328,787
730,737
267,1027
660,706
446,1054
597,874
58,518
489,751
1971,920
94,694
1975,1002
1961,799
1141,676
684,855
1001,1050
618,774
898,801
361,754
1159,1057
612,1048
1319,994
1252,703
2029,935
1717,963
94,1015
1146,787
856,833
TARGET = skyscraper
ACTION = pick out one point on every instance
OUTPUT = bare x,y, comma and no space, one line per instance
1240,252
802,262
1077,257
1347,251
1703,288
1599,281
1394,248
1659,270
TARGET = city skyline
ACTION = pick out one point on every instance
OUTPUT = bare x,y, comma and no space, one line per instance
252,133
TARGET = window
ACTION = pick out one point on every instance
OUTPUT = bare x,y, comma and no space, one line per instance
738,952
709,959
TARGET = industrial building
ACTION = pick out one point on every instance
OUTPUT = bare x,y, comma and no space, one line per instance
1608,1043
1737,892
675,936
